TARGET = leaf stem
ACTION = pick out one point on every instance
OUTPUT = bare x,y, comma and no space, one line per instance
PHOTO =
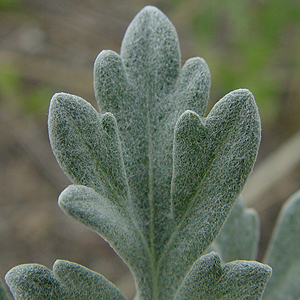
151,201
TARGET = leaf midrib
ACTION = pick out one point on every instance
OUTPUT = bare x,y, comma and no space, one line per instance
151,250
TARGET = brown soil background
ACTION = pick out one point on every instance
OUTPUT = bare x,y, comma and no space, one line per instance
53,44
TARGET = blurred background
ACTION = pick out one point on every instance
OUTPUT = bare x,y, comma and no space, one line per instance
48,46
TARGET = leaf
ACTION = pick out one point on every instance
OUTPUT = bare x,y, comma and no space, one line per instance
210,280
146,116
145,90
159,200
88,284
66,281
283,253
87,146
213,157
34,282
239,236
113,224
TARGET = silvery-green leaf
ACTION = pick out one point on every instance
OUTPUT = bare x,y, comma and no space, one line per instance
114,224
158,203
213,157
239,236
83,283
87,146
283,253
33,282
67,281
209,280
146,91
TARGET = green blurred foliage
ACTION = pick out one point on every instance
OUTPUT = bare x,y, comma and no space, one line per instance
253,44
24,97
8,4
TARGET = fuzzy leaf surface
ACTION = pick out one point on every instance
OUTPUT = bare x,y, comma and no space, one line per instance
210,280
213,157
66,281
158,199
113,224
239,236
87,146
283,254
146,91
